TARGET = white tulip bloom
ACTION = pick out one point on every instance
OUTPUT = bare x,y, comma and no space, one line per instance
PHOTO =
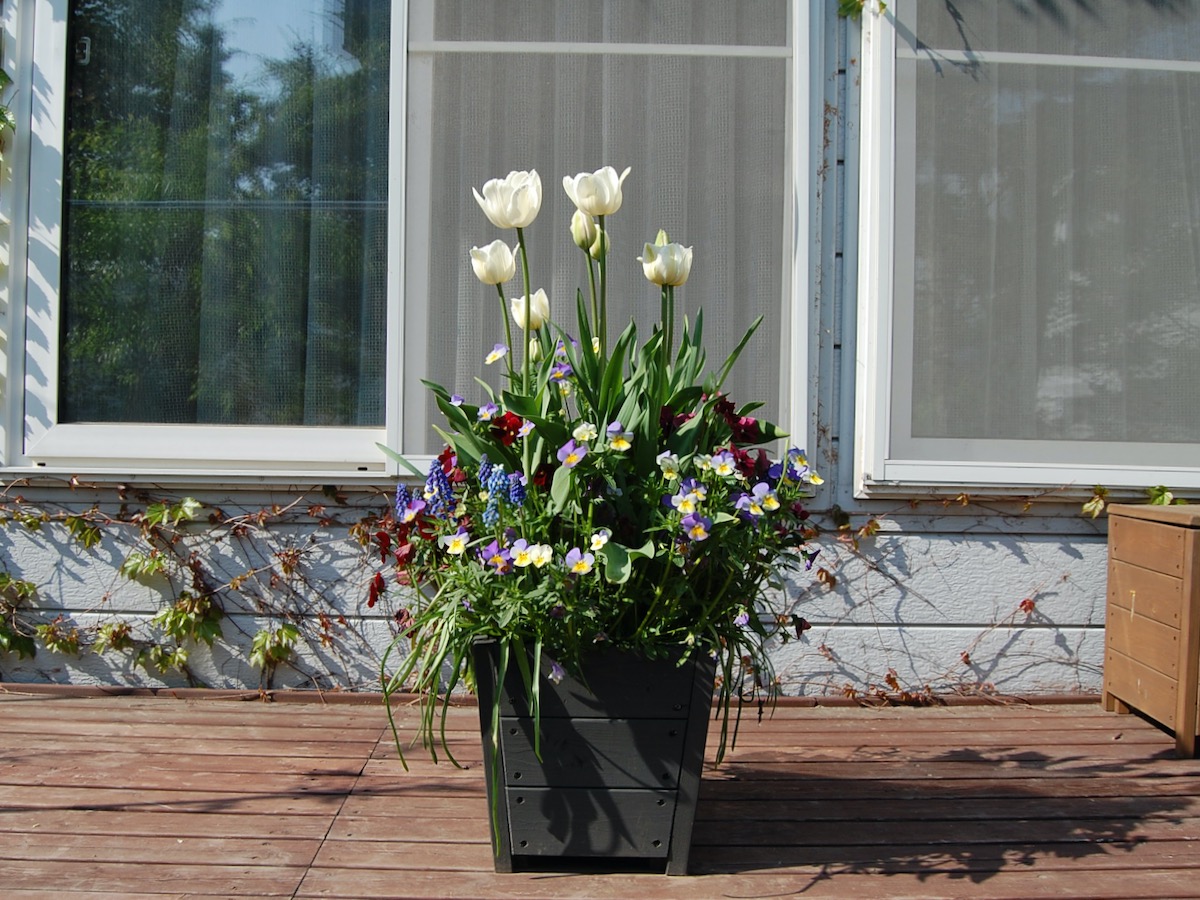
597,193
539,309
513,201
666,264
494,263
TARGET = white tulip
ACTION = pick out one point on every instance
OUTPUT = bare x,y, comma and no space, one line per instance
493,264
583,229
666,264
513,201
539,309
597,193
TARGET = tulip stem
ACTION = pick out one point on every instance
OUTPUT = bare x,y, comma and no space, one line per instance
592,286
602,324
512,374
528,313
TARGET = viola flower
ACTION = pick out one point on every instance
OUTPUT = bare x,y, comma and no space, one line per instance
704,462
577,562
456,400
542,554
499,558
684,502
487,411
556,673
522,553
742,618
585,432
669,463
507,428
696,527
409,514
600,538
723,464
498,353
760,501
455,544
809,556
570,454
618,438
561,371
526,429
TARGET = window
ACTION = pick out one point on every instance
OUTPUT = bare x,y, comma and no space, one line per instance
1030,260
249,218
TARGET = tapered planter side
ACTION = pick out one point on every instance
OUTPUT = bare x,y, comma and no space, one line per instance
619,771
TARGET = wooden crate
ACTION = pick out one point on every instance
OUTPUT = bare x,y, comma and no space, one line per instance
1152,622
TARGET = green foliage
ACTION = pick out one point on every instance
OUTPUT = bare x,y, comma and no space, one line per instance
191,618
59,636
611,493
163,659
172,514
1160,496
13,641
853,9
83,530
271,647
15,590
142,565
116,636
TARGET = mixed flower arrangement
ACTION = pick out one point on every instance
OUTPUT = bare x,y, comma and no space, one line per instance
606,493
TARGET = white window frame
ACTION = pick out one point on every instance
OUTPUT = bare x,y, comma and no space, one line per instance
33,440
880,470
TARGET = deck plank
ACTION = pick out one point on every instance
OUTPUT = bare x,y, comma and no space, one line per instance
128,798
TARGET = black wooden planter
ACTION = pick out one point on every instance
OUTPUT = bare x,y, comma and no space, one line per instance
620,763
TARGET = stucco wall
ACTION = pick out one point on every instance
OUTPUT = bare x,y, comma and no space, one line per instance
943,603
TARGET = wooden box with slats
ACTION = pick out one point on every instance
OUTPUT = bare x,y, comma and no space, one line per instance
1152,621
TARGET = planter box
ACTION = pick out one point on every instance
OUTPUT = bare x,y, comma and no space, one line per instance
619,770
1152,619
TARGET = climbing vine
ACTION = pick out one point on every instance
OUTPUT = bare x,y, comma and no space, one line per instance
201,562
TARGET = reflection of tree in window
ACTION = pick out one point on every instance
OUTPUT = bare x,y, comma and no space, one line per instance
225,219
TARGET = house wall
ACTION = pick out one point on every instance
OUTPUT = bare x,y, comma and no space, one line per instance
913,595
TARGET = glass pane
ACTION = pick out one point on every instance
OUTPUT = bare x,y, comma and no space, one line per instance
747,22
1141,29
706,139
1056,265
226,194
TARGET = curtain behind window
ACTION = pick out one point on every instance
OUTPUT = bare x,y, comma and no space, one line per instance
1054,287
225,217
705,135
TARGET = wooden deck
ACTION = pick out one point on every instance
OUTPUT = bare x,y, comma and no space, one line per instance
145,797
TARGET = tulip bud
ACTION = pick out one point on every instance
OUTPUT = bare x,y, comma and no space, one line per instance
601,240
583,229
539,309
666,264
494,263
535,349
